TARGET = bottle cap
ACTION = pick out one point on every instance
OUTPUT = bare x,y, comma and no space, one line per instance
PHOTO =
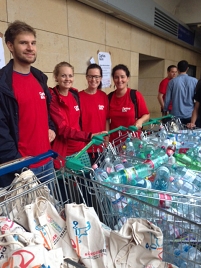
171,179
95,166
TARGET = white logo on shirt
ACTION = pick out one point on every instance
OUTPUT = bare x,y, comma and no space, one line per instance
42,95
125,109
76,108
101,107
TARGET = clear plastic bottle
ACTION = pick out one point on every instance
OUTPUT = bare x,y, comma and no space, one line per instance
118,165
171,149
128,176
108,167
181,186
161,179
157,160
130,150
100,174
188,175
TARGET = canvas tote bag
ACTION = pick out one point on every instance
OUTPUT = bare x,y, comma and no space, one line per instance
86,234
44,219
139,244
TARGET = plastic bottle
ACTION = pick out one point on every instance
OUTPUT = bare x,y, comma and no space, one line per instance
118,165
181,186
100,174
108,167
188,175
158,160
130,150
162,133
162,178
171,149
128,176
188,161
143,183
127,164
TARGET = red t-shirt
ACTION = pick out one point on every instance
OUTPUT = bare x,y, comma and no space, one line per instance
163,88
122,111
70,115
33,116
94,112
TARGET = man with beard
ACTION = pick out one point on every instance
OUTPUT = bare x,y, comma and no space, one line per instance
25,126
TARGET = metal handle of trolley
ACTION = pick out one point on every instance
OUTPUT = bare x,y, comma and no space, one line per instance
25,162
75,164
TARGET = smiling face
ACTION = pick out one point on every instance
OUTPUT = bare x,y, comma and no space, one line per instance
65,77
23,48
120,79
93,78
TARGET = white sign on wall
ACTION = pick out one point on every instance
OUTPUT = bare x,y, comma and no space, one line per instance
104,60
2,56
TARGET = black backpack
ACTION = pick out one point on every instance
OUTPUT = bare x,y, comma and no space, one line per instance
133,98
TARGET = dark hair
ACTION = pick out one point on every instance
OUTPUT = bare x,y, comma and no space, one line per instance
121,67
61,64
182,66
15,28
95,66
170,67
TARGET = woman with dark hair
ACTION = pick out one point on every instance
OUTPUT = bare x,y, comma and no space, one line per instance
122,110
94,106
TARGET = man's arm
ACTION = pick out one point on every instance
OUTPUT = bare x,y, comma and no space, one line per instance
160,99
168,96
194,115
8,147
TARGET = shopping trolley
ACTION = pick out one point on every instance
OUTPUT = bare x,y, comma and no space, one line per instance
23,194
177,215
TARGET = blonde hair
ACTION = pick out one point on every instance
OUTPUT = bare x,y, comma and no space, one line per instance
59,65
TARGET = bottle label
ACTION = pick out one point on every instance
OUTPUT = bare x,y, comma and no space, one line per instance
165,200
130,172
119,167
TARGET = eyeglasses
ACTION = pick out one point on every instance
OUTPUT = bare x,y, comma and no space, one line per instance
96,77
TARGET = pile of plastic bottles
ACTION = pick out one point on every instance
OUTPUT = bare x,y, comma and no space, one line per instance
159,166
183,256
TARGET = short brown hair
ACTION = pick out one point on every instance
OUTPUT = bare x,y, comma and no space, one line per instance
16,28
61,64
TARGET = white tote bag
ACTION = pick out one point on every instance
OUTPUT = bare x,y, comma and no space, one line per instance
139,244
86,234
33,256
44,219
26,181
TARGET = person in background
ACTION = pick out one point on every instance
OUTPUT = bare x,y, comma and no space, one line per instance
171,73
196,114
180,92
94,107
121,107
25,125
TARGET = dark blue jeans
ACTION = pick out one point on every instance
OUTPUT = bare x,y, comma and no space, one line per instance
45,172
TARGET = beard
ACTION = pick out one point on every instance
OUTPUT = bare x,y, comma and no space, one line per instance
25,60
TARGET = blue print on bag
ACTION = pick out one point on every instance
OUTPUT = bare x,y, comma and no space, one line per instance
81,231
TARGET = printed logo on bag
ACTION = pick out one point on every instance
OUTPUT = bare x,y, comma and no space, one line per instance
154,245
125,109
25,259
101,107
2,251
79,232
76,107
43,233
